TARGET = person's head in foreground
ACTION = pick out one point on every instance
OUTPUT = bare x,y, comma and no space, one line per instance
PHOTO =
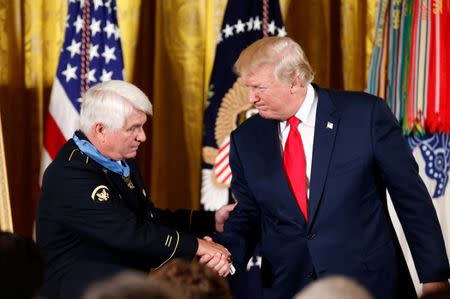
334,287
194,280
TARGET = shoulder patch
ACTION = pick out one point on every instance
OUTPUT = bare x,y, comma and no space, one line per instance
100,193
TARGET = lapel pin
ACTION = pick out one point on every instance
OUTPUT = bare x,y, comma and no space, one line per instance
329,125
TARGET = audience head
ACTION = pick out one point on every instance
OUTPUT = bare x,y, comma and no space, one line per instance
21,267
336,287
130,285
193,280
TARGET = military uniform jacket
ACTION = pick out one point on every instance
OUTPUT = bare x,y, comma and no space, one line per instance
92,223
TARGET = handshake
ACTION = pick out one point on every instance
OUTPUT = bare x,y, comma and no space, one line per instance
215,256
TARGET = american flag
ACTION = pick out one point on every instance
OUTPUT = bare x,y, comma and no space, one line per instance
91,53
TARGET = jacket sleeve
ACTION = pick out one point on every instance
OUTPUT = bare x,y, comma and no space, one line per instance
409,196
198,223
242,229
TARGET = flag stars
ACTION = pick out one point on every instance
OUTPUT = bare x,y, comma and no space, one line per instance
109,29
228,31
78,23
240,27
97,4
272,27
108,54
250,24
93,52
106,76
95,27
256,24
116,33
70,72
107,4
282,31
74,48
91,76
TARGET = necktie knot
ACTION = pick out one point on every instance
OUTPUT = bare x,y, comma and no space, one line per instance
293,121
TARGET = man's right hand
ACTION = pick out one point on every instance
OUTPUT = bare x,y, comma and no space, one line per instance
214,256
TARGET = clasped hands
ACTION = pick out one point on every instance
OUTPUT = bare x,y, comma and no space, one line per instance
214,255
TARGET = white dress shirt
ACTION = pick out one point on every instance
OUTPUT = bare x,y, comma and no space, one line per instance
307,114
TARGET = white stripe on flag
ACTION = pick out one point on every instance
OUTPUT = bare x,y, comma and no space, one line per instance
63,111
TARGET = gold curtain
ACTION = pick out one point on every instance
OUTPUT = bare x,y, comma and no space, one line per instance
336,36
168,48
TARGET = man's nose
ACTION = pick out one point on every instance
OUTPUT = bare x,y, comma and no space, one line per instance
141,135
252,96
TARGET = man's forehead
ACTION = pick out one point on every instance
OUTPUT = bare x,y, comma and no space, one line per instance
136,117
259,74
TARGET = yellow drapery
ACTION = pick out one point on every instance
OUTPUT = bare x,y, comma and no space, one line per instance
168,48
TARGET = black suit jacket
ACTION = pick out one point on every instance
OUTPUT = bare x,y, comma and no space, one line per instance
358,153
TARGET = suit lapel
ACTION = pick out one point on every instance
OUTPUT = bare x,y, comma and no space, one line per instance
327,123
286,203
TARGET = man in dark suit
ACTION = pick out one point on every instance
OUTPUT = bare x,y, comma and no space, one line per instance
94,217
310,174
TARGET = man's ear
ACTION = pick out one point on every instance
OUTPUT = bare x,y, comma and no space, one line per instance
99,130
296,85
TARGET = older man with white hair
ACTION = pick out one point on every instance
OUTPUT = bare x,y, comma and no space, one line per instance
95,217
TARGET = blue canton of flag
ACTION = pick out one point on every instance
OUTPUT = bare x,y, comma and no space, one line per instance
104,62
228,106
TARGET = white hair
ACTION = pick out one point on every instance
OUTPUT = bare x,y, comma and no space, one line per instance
336,287
110,103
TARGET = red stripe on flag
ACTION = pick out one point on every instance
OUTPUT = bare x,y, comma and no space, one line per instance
224,146
54,139
226,178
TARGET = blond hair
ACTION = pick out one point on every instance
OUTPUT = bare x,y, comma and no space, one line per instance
285,54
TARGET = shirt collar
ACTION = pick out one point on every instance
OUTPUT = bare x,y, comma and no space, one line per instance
305,112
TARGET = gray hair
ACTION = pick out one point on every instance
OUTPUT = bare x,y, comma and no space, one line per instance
284,53
336,287
110,103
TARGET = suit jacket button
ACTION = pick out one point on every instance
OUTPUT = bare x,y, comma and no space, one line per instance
311,236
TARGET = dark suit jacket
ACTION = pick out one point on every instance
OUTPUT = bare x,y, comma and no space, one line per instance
349,231
85,238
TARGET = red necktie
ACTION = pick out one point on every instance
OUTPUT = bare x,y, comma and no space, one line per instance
294,162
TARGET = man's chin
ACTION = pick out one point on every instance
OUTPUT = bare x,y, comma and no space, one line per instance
132,155
265,114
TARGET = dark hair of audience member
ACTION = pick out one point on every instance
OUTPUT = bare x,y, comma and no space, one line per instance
193,280
130,285
21,267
